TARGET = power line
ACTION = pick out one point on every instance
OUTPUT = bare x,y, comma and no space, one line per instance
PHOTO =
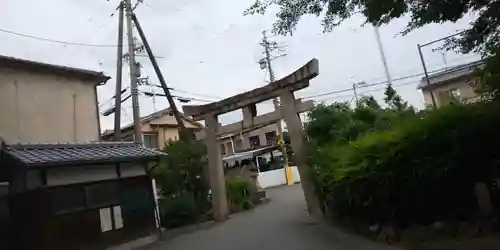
179,98
101,104
58,41
372,90
201,95
369,85
186,92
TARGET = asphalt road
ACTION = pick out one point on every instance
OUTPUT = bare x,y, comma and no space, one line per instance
281,224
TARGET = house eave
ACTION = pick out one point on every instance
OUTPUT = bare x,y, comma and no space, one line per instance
99,78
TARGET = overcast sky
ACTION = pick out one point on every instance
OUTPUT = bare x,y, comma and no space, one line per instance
209,49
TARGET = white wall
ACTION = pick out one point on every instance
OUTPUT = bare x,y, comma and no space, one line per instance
277,177
272,178
72,175
295,174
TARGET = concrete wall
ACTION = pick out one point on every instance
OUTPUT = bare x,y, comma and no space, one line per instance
277,177
272,178
467,92
38,108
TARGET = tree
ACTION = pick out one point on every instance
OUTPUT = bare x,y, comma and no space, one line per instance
482,35
394,100
182,171
338,123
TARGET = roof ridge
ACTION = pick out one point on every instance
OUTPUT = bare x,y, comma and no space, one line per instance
71,145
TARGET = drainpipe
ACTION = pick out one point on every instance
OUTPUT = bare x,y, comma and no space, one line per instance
75,124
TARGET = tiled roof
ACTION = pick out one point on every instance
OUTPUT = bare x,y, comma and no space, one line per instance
151,117
40,155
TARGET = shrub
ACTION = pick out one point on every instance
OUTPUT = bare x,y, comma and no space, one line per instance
238,193
182,183
419,171
178,211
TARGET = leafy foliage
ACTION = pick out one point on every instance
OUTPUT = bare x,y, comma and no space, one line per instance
380,165
179,211
338,123
489,76
417,172
238,192
181,179
332,126
483,32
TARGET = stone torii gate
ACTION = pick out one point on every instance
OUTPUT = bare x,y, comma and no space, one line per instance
289,111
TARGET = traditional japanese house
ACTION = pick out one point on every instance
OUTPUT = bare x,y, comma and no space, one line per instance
77,196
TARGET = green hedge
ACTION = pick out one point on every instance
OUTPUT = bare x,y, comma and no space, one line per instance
420,171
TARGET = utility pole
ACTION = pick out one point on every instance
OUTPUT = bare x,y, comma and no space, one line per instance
355,93
184,135
133,74
267,52
426,75
119,66
382,54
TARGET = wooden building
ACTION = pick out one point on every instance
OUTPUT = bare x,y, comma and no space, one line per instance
77,196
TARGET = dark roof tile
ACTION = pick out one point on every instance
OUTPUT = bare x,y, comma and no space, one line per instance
39,155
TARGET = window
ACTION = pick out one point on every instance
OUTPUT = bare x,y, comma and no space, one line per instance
455,93
254,141
449,96
111,217
444,97
271,138
150,140
238,144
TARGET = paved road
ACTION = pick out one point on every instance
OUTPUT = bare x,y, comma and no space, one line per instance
281,224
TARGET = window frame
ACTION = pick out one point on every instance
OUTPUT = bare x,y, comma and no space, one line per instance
151,134
253,139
